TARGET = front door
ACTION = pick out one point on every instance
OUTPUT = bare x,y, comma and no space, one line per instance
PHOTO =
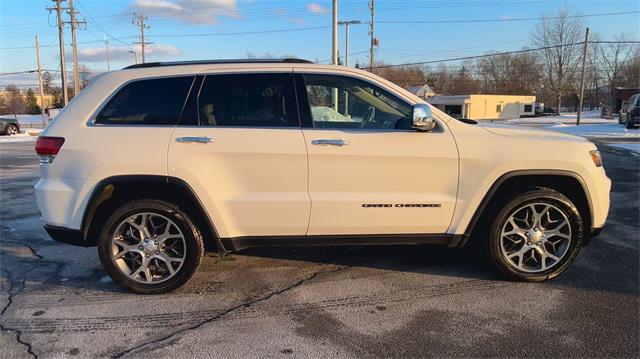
369,172
240,146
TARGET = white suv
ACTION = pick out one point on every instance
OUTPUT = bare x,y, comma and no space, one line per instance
156,161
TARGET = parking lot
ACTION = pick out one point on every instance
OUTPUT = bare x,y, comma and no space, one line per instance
386,301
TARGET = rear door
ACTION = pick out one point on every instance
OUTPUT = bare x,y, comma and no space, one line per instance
240,146
369,172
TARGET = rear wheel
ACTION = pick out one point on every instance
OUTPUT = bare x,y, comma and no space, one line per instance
11,130
150,246
536,236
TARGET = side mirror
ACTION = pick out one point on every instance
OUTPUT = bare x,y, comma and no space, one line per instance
423,118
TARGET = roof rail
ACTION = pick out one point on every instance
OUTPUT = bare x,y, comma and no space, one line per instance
212,62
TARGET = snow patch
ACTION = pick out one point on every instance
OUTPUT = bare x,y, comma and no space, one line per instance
596,130
564,118
21,137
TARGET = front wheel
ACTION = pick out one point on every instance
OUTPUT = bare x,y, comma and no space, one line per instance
150,246
536,236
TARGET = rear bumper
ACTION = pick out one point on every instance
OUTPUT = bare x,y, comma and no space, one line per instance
67,235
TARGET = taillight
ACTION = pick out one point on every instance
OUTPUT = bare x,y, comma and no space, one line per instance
48,147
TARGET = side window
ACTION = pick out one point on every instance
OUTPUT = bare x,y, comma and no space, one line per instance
252,100
344,102
147,102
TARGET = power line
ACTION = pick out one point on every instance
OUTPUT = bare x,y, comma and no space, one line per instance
97,25
502,53
18,72
245,32
502,19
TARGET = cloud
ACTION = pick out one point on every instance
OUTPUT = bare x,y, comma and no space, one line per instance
317,9
157,5
188,11
153,52
284,13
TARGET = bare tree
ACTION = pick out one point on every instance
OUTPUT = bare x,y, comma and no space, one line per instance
47,81
612,60
440,79
631,70
559,35
464,82
404,76
593,78
510,74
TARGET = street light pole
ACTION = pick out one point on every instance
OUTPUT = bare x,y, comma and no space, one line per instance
346,24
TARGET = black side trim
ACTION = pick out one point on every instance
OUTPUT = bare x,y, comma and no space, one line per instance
240,243
494,188
100,186
67,235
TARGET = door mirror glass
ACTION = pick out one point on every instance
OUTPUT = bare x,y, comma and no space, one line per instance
423,118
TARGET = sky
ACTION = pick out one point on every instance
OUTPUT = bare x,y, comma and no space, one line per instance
214,29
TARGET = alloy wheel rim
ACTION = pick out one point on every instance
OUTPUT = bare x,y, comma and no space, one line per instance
148,248
535,237
12,130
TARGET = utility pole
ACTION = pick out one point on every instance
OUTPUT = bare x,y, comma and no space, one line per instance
371,34
584,61
346,24
76,69
44,122
106,47
334,33
139,20
334,49
63,67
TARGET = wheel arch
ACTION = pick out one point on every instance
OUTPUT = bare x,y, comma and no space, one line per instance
568,183
117,190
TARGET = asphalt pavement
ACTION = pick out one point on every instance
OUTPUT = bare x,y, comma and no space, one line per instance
341,302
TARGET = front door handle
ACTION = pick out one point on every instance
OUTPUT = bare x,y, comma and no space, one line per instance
191,139
330,142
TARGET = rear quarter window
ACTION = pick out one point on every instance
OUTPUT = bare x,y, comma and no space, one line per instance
147,102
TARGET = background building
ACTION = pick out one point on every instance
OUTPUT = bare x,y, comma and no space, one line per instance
485,107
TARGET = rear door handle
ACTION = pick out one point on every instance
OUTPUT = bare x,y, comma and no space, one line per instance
330,142
190,139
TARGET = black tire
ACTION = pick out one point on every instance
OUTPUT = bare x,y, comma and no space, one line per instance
11,130
194,245
629,125
543,196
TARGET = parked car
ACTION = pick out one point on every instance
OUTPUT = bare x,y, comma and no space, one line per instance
159,159
9,126
630,112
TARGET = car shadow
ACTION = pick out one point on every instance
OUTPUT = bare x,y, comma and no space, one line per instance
587,273
430,260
